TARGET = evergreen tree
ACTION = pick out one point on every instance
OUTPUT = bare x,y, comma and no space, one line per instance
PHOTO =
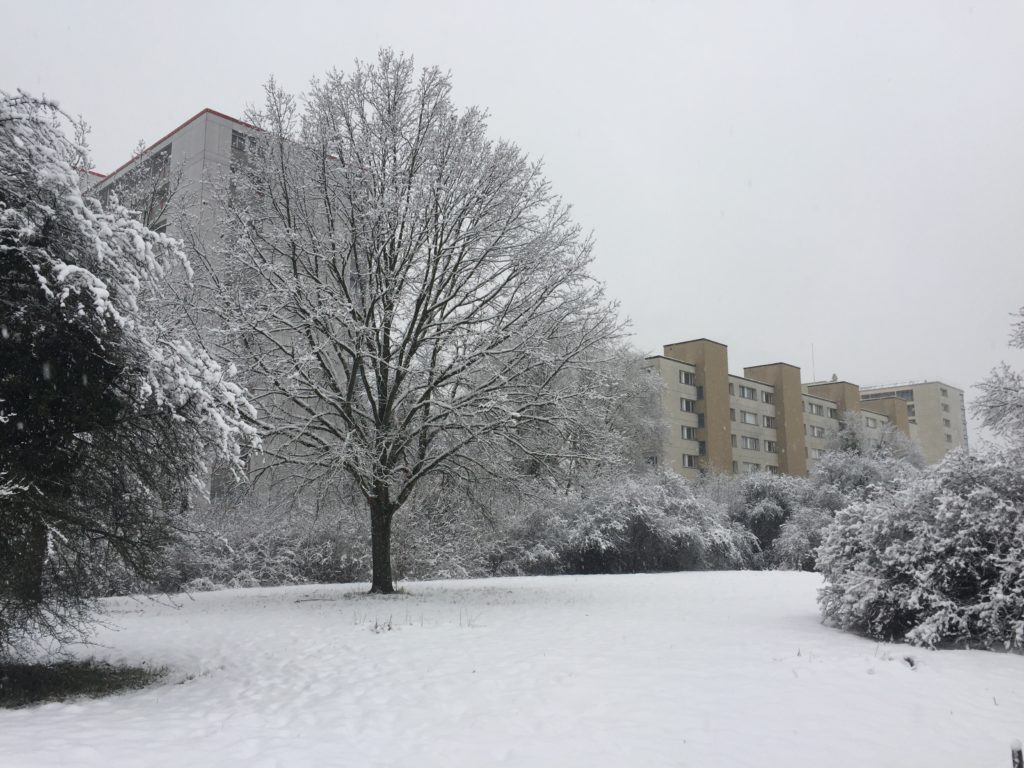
107,418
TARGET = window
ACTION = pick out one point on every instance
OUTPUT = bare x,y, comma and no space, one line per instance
949,438
238,141
911,410
689,433
700,421
689,461
687,405
700,393
771,446
702,448
833,413
732,439
748,393
652,461
746,417
871,422
768,397
816,431
773,469
945,407
732,391
817,453
768,421
817,410
749,466
945,422
943,392
685,377
750,443
735,467
732,414
906,394
913,421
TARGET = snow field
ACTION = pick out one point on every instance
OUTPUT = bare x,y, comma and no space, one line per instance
688,669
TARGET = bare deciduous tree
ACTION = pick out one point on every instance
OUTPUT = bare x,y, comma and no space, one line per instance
1000,407
411,296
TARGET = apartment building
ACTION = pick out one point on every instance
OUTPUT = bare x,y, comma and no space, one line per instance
189,167
936,414
767,419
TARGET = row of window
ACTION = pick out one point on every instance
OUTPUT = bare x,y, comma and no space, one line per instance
748,417
754,443
817,409
750,466
903,394
750,393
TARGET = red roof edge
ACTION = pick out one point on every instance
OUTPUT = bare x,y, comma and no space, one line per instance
165,137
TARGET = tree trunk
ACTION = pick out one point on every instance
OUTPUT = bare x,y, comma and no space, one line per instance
29,586
380,539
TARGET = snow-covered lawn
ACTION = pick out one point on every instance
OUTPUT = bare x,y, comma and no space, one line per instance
689,669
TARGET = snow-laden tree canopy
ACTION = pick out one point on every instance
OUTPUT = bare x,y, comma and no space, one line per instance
411,295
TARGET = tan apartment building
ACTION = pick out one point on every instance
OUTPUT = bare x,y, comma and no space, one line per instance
936,414
765,420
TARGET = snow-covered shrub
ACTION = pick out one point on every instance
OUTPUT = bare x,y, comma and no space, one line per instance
796,546
940,561
257,539
652,523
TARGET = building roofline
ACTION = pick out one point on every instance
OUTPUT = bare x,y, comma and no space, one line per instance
837,381
166,136
690,341
670,359
754,381
817,397
905,384
765,365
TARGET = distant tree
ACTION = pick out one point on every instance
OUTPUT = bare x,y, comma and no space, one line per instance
853,437
1000,407
107,419
412,296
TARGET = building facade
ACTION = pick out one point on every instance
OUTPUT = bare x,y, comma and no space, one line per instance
186,171
769,420
936,414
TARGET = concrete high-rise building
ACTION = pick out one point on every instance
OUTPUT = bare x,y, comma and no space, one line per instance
189,168
768,419
935,411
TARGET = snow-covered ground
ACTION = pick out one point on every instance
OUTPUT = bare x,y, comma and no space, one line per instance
689,669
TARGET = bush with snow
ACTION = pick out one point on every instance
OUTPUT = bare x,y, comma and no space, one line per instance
650,524
938,562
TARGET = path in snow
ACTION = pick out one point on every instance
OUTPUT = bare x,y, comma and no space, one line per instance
688,669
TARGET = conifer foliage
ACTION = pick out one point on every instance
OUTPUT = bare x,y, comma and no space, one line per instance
106,417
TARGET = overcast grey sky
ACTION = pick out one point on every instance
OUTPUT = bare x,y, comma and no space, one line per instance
772,175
